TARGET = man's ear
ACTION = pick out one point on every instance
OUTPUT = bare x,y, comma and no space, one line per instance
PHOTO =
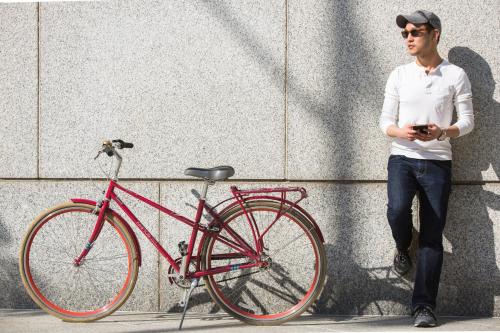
437,35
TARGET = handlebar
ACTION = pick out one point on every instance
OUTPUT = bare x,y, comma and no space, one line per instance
109,147
120,144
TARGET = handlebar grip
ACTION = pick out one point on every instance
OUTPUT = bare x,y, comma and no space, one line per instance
124,144
127,145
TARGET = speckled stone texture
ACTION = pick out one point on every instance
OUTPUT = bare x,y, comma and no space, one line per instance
23,201
339,57
471,278
352,218
360,249
190,84
281,90
18,86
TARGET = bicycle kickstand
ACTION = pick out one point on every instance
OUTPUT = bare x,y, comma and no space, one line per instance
194,284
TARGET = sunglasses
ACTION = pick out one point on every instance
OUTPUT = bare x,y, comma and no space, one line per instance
414,33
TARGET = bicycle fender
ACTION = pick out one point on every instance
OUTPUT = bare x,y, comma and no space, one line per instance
121,219
276,199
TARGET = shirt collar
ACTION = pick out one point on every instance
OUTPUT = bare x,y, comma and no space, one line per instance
436,71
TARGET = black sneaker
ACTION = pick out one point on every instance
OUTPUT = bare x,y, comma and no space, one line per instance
424,317
402,262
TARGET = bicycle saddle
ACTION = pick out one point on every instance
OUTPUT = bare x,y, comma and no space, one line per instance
217,173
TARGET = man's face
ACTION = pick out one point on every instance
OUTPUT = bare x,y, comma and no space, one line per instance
424,41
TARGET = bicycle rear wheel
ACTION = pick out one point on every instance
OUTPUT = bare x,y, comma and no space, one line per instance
78,293
291,282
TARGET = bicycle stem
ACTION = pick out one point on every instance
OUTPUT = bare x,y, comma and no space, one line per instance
117,168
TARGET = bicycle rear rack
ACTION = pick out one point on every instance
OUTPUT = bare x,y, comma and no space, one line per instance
261,193
258,194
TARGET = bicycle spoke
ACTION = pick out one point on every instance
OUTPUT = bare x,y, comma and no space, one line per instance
240,284
107,258
290,279
60,245
86,268
239,276
88,291
255,300
287,245
91,280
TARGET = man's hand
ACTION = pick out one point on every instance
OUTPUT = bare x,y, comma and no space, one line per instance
433,132
407,132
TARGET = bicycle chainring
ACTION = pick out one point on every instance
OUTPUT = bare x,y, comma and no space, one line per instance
173,277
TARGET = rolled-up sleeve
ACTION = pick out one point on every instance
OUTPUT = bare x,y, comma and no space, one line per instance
463,105
391,103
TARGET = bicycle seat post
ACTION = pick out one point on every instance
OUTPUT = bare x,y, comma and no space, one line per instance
206,183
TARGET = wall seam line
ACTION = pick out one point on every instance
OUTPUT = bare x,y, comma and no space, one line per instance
38,94
286,92
158,253
237,181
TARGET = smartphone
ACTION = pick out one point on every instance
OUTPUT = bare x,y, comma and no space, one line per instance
424,129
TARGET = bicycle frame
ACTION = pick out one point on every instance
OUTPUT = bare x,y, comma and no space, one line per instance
237,243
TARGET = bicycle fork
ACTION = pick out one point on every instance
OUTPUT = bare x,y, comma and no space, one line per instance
103,205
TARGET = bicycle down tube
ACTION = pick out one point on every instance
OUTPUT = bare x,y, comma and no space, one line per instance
241,246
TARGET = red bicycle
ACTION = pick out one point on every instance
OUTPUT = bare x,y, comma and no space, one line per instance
261,255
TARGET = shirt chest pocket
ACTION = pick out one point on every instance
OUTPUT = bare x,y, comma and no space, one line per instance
441,100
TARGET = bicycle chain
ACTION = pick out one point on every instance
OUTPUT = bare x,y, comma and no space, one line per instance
233,278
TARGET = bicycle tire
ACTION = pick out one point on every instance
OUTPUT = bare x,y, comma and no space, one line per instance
84,293
280,288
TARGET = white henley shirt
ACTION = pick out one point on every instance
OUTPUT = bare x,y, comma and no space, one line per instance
414,97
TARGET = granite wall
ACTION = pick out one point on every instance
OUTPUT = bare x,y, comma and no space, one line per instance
287,92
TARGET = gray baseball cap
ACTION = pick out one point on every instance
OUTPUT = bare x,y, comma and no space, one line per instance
419,17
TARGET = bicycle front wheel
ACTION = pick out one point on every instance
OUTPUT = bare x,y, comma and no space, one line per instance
96,287
287,286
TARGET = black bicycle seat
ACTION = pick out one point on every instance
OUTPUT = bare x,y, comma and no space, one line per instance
213,174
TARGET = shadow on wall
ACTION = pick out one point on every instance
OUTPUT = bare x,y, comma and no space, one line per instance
350,288
354,290
471,278
467,287
12,298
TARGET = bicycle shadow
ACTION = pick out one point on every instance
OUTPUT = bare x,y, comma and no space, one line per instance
11,297
354,290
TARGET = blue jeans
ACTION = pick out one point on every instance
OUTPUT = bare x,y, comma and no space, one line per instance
431,179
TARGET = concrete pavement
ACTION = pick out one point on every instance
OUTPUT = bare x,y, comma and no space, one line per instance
20,321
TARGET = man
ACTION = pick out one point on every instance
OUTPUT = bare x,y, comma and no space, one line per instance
423,93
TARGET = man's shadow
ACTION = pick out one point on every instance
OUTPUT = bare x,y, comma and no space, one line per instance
471,279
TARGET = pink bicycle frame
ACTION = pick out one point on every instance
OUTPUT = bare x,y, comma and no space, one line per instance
237,243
